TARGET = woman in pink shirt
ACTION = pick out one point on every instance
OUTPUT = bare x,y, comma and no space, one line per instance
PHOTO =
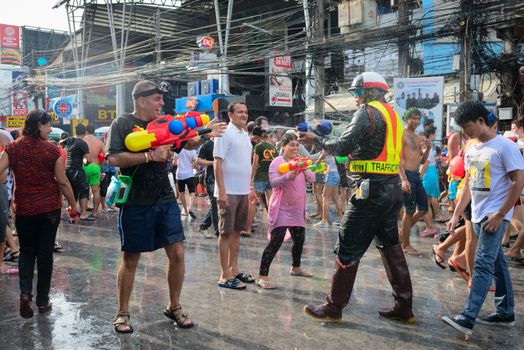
287,212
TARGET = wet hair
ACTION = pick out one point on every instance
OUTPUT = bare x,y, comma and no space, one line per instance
231,107
15,133
471,111
90,129
411,111
33,120
80,129
429,130
287,138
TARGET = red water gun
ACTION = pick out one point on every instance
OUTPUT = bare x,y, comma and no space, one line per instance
297,164
168,130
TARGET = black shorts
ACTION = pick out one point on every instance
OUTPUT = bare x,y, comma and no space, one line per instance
104,183
416,199
78,181
190,183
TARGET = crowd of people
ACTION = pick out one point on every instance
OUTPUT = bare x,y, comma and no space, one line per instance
386,176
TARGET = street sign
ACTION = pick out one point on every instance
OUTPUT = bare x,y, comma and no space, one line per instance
63,108
206,42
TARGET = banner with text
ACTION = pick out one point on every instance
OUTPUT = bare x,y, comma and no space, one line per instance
426,94
9,44
280,83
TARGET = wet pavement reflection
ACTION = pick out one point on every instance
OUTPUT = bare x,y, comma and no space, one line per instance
84,299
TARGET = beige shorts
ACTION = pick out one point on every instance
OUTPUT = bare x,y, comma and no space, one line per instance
234,217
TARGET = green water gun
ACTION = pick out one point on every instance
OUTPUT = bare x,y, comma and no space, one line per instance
341,159
318,168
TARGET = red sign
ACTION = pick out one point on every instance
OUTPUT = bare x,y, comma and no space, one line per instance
20,103
9,44
63,108
206,42
9,36
191,103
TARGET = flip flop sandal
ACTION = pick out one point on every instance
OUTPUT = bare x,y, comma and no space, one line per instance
453,266
245,277
117,325
265,284
233,283
89,218
11,271
516,261
439,263
10,257
301,274
442,220
178,317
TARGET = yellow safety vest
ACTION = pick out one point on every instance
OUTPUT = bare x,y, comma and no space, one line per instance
388,161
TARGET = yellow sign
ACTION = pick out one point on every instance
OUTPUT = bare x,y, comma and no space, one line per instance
105,115
14,121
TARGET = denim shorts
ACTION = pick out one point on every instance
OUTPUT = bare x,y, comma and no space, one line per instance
148,228
332,179
320,178
262,186
417,198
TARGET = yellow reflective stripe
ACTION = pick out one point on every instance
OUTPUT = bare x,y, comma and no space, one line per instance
400,131
389,137
373,167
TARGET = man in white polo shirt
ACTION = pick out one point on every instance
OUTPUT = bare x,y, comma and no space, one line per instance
232,153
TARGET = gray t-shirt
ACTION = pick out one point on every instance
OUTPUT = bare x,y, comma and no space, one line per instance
488,165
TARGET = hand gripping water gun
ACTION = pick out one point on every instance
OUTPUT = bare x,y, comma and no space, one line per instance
318,168
168,130
341,159
297,164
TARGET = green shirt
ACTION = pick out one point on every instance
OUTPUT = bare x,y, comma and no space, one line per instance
266,153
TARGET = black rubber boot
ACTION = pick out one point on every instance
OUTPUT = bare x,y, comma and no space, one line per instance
398,275
341,288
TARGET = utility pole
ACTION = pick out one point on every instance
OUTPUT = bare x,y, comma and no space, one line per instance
465,51
403,39
320,38
158,50
309,88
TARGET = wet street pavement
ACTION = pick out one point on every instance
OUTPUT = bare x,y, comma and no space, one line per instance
84,300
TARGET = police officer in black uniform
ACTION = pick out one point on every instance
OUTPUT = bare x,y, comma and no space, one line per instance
374,202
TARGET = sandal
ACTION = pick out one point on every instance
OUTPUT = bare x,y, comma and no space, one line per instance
233,283
453,266
440,263
265,284
175,313
119,326
10,257
516,261
245,277
301,274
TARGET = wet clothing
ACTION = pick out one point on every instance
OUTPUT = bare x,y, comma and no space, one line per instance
298,235
374,217
416,198
76,150
266,153
33,164
150,181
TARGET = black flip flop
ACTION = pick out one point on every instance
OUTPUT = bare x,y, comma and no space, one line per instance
232,283
439,264
245,277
